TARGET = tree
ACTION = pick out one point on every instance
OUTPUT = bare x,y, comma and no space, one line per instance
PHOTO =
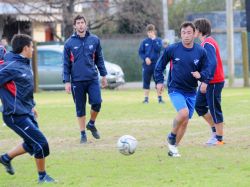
65,8
134,15
179,9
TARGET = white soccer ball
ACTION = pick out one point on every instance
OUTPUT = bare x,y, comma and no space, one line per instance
127,145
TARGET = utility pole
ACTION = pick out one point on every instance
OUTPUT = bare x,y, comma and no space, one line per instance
230,41
165,17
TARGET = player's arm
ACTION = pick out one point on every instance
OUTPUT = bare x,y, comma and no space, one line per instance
211,65
67,63
67,60
141,51
211,59
6,73
160,67
99,61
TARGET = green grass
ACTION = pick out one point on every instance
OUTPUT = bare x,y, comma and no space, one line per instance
99,164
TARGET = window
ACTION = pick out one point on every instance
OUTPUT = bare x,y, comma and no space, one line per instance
49,58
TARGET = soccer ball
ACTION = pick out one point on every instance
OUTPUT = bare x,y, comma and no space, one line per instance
127,145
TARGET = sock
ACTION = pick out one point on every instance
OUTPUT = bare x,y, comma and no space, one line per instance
219,138
159,98
6,158
83,133
41,174
146,99
91,123
213,129
172,138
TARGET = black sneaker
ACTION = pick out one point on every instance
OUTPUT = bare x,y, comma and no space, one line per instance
83,139
47,179
8,167
93,130
145,102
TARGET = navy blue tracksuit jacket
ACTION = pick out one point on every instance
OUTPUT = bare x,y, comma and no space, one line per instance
16,85
183,61
81,57
151,49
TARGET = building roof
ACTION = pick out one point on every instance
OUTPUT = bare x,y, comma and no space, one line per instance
38,11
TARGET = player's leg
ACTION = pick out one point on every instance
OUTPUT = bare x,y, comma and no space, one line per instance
179,102
79,96
201,107
95,100
190,102
216,111
159,92
146,76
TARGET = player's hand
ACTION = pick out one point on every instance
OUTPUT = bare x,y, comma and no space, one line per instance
68,87
35,112
196,74
203,87
104,82
148,61
160,87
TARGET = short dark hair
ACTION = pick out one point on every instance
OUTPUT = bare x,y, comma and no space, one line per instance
19,41
186,24
79,17
150,27
203,25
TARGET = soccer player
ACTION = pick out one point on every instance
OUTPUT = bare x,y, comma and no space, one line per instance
2,53
208,102
19,114
149,51
187,66
82,54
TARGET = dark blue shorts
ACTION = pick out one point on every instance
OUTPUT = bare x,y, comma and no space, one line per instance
147,74
80,90
26,126
211,101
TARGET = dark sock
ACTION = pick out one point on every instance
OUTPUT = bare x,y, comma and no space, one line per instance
213,129
219,138
146,99
6,158
91,123
159,98
83,133
41,174
172,138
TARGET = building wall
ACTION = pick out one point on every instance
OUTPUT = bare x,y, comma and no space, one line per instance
39,32
39,28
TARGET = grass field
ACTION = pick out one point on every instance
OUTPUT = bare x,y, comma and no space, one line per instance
99,164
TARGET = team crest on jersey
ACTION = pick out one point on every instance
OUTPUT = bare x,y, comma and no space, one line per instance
146,44
177,59
91,47
196,61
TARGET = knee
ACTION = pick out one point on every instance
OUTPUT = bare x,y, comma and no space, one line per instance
42,150
184,114
96,107
200,110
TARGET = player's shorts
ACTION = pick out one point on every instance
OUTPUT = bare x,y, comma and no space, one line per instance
182,100
211,101
147,74
26,127
80,90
